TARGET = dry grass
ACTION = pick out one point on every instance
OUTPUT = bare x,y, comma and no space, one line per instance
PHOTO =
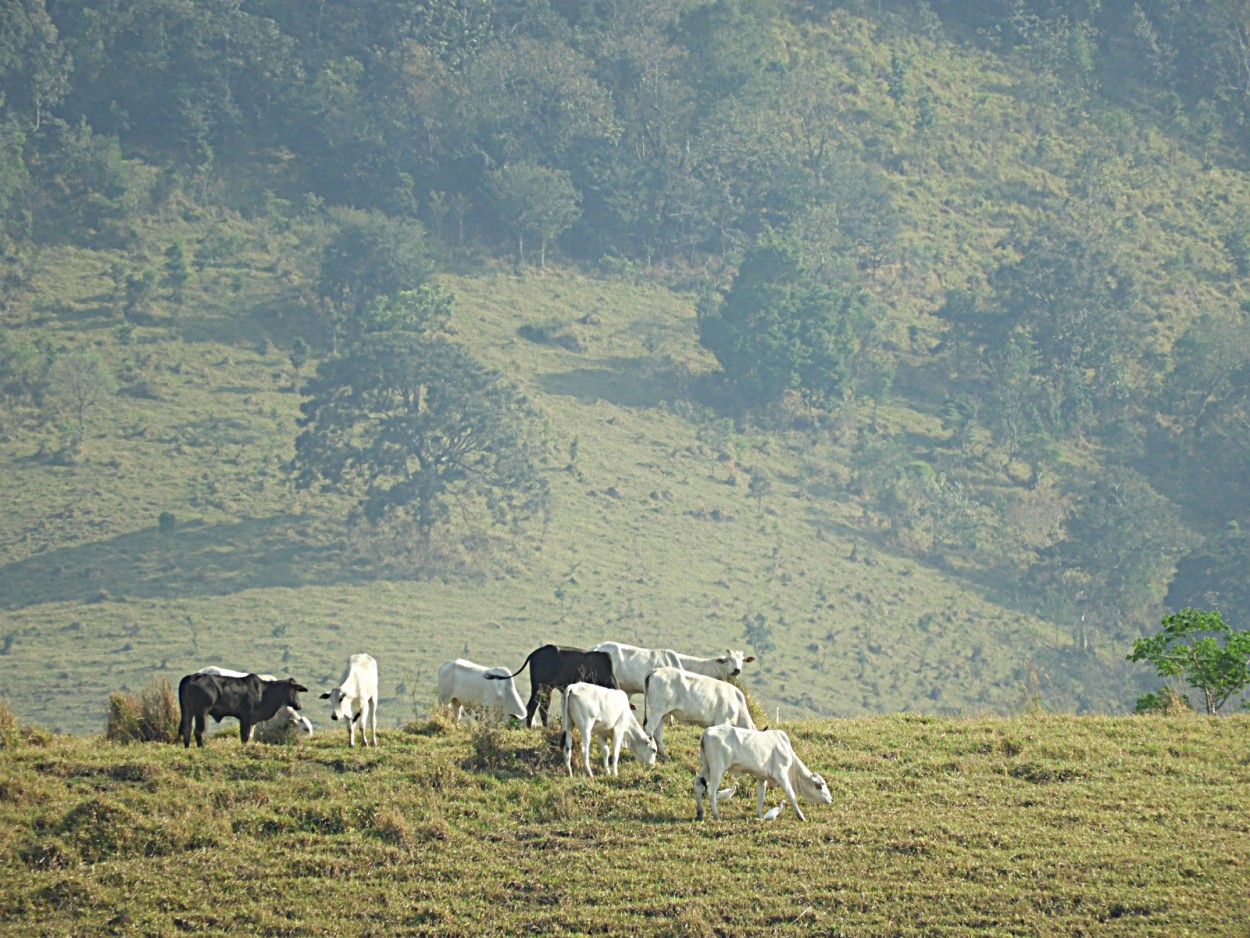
1033,825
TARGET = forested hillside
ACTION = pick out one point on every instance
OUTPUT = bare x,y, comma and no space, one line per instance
904,344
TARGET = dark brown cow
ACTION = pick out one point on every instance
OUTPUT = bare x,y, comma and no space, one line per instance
555,667
249,699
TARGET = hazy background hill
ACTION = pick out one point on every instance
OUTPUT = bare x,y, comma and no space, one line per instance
1021,444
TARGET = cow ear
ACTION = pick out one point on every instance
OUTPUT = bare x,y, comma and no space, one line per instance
749,659
325,696
301,688
632,706
721,660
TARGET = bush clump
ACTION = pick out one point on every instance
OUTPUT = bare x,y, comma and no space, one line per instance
151,716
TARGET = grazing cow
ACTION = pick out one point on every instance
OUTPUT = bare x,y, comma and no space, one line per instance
691,698
356,698
463,684
278,727
603,712
632,664
555,667
248,699
765,755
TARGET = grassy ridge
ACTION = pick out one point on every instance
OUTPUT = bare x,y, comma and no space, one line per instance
1029,825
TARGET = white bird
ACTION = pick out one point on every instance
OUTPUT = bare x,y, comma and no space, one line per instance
771,813
727,792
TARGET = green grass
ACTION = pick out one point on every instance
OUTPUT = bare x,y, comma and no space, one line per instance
1031,825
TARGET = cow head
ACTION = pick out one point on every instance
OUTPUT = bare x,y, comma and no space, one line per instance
340,705
290,690
814,789
505,695
733,660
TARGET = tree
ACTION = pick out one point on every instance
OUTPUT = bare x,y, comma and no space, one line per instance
412,428
1199,647
780,329
369,255
1121,541
77,382
534,202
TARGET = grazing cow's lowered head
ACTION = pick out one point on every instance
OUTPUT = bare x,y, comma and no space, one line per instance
340,705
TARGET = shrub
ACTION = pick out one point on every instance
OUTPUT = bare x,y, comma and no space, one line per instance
1166,700
9,734
149,716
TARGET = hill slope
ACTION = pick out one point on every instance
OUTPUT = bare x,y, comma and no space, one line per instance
1028,825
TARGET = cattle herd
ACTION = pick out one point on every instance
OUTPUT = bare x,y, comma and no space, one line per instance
595,685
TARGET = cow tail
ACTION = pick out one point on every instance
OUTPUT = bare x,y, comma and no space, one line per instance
499,677
566,734
646,685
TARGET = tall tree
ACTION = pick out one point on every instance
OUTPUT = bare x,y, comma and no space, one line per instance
369,255
415,430
535,203
779,328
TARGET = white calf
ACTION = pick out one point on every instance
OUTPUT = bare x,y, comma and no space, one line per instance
691,698
603,712
463,684
765,755
631,664
356,698
279,726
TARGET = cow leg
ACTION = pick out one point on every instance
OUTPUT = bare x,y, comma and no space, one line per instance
566,745
588,735
700,786
184,729
617,739
531,708
200,723
713,785
659,739
794,801
761,788
373,719
544,704
245,730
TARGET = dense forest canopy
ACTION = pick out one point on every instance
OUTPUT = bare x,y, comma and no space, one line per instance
1061,282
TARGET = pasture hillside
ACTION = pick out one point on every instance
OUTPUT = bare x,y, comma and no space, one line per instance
653,535
1031,825
1038,450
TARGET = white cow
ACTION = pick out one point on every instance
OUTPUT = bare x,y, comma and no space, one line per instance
691,698
279,726
603,712
356,698
462,683
631,664
765,755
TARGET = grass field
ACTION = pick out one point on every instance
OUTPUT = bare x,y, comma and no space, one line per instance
1030,825
653,536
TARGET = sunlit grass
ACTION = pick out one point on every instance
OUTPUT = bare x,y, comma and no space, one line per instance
1028,825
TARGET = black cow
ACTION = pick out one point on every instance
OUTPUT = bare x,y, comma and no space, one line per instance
248,699
555,667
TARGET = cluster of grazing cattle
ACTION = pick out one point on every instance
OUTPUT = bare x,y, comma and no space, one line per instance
268,706
595,685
